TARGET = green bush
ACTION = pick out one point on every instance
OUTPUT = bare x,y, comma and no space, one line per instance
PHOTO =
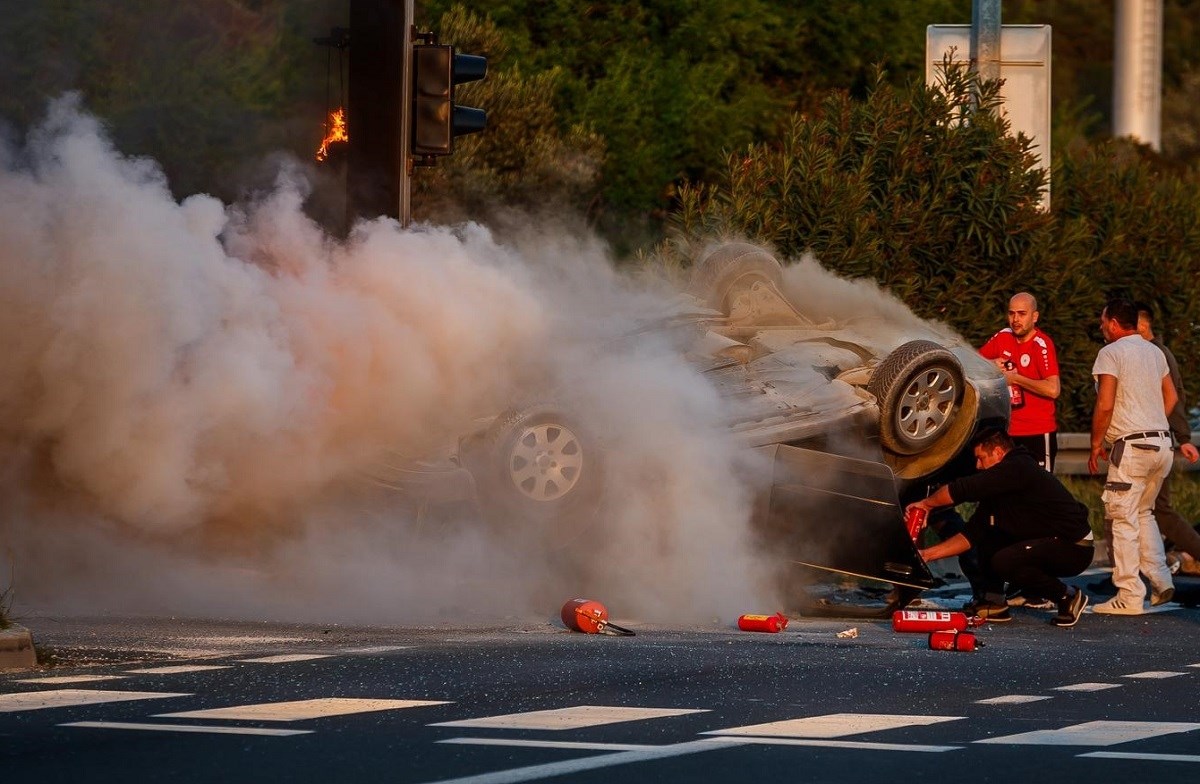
925,192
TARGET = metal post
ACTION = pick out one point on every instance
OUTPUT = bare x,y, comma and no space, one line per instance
1137,71
406,163
985,38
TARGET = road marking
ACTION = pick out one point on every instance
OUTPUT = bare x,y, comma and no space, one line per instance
1154,674
834,725
179,669
1088,687
549,744
568,767
568,718
284,658
1144,756
300,709
377,649
72,679
843,744
63,698
1012,699
123,725
1096,733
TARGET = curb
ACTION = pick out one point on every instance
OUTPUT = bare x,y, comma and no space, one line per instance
16,649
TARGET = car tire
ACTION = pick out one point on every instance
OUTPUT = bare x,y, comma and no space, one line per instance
732,267
920,388
537,466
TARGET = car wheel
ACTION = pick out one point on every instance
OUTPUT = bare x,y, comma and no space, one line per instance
919,387
537,465
733,268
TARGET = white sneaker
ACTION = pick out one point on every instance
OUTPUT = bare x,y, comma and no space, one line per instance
1162,597
1117,606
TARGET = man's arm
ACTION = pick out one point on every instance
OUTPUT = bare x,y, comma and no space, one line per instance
955,545
1044,387
1170,396
939,497
1106,397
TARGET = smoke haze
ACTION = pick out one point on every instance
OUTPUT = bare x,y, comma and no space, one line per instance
191,391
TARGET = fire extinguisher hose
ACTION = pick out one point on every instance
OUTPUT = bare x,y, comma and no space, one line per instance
608,627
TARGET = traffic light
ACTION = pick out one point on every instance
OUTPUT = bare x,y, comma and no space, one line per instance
436,119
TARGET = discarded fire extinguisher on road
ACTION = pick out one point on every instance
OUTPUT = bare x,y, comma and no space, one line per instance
590,617
915,519
932,621
763,623
953,640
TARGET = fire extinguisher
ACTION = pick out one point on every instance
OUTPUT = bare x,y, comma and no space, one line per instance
590,617
915,519
932,621
762,623
952,640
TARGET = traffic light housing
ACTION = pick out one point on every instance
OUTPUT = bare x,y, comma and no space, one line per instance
436,119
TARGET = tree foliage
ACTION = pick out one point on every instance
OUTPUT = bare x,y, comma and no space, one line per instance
927,193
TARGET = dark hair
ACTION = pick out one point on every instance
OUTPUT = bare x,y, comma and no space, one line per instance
991,438
1123,312
1144,309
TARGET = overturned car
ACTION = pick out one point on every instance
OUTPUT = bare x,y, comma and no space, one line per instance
849,415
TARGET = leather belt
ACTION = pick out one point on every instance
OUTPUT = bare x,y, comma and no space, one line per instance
1145,434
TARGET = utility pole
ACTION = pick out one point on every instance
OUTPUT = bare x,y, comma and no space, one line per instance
378,117
1137,71
985,39
403,111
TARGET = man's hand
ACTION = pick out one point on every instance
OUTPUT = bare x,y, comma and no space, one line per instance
1100,453
1189,451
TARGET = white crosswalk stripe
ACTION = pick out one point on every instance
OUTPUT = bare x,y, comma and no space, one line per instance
1095,733
1154,675
286,658
299,710
54,680
1012,699
191,728
568,718
1088,687
179,669
834,725
64,698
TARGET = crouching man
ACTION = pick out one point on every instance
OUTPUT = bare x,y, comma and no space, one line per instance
1028,529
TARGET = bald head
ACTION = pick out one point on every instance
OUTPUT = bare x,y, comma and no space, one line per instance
1025,300
1022,315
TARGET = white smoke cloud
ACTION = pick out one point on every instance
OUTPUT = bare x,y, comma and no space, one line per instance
189,390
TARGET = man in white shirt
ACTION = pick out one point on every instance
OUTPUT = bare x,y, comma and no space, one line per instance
1134,394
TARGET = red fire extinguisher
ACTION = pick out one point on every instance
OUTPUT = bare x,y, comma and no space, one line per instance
590,617
762,623
952,640
915,519
932,621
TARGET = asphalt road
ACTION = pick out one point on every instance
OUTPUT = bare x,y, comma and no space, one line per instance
1113,699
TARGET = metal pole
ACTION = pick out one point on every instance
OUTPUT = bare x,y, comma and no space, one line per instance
406,165
1137,71
985,38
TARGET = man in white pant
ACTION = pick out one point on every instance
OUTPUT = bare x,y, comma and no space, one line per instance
1134,393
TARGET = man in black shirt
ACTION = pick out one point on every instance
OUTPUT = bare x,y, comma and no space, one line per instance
1028,528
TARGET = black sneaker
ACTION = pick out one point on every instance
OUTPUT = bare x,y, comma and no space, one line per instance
1029,602
1070,608
992,613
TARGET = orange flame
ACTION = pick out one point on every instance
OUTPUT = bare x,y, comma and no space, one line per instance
337,133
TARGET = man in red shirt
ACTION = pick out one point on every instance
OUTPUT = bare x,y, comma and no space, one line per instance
1027,358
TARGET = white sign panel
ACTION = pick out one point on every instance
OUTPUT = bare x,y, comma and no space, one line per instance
1025,69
